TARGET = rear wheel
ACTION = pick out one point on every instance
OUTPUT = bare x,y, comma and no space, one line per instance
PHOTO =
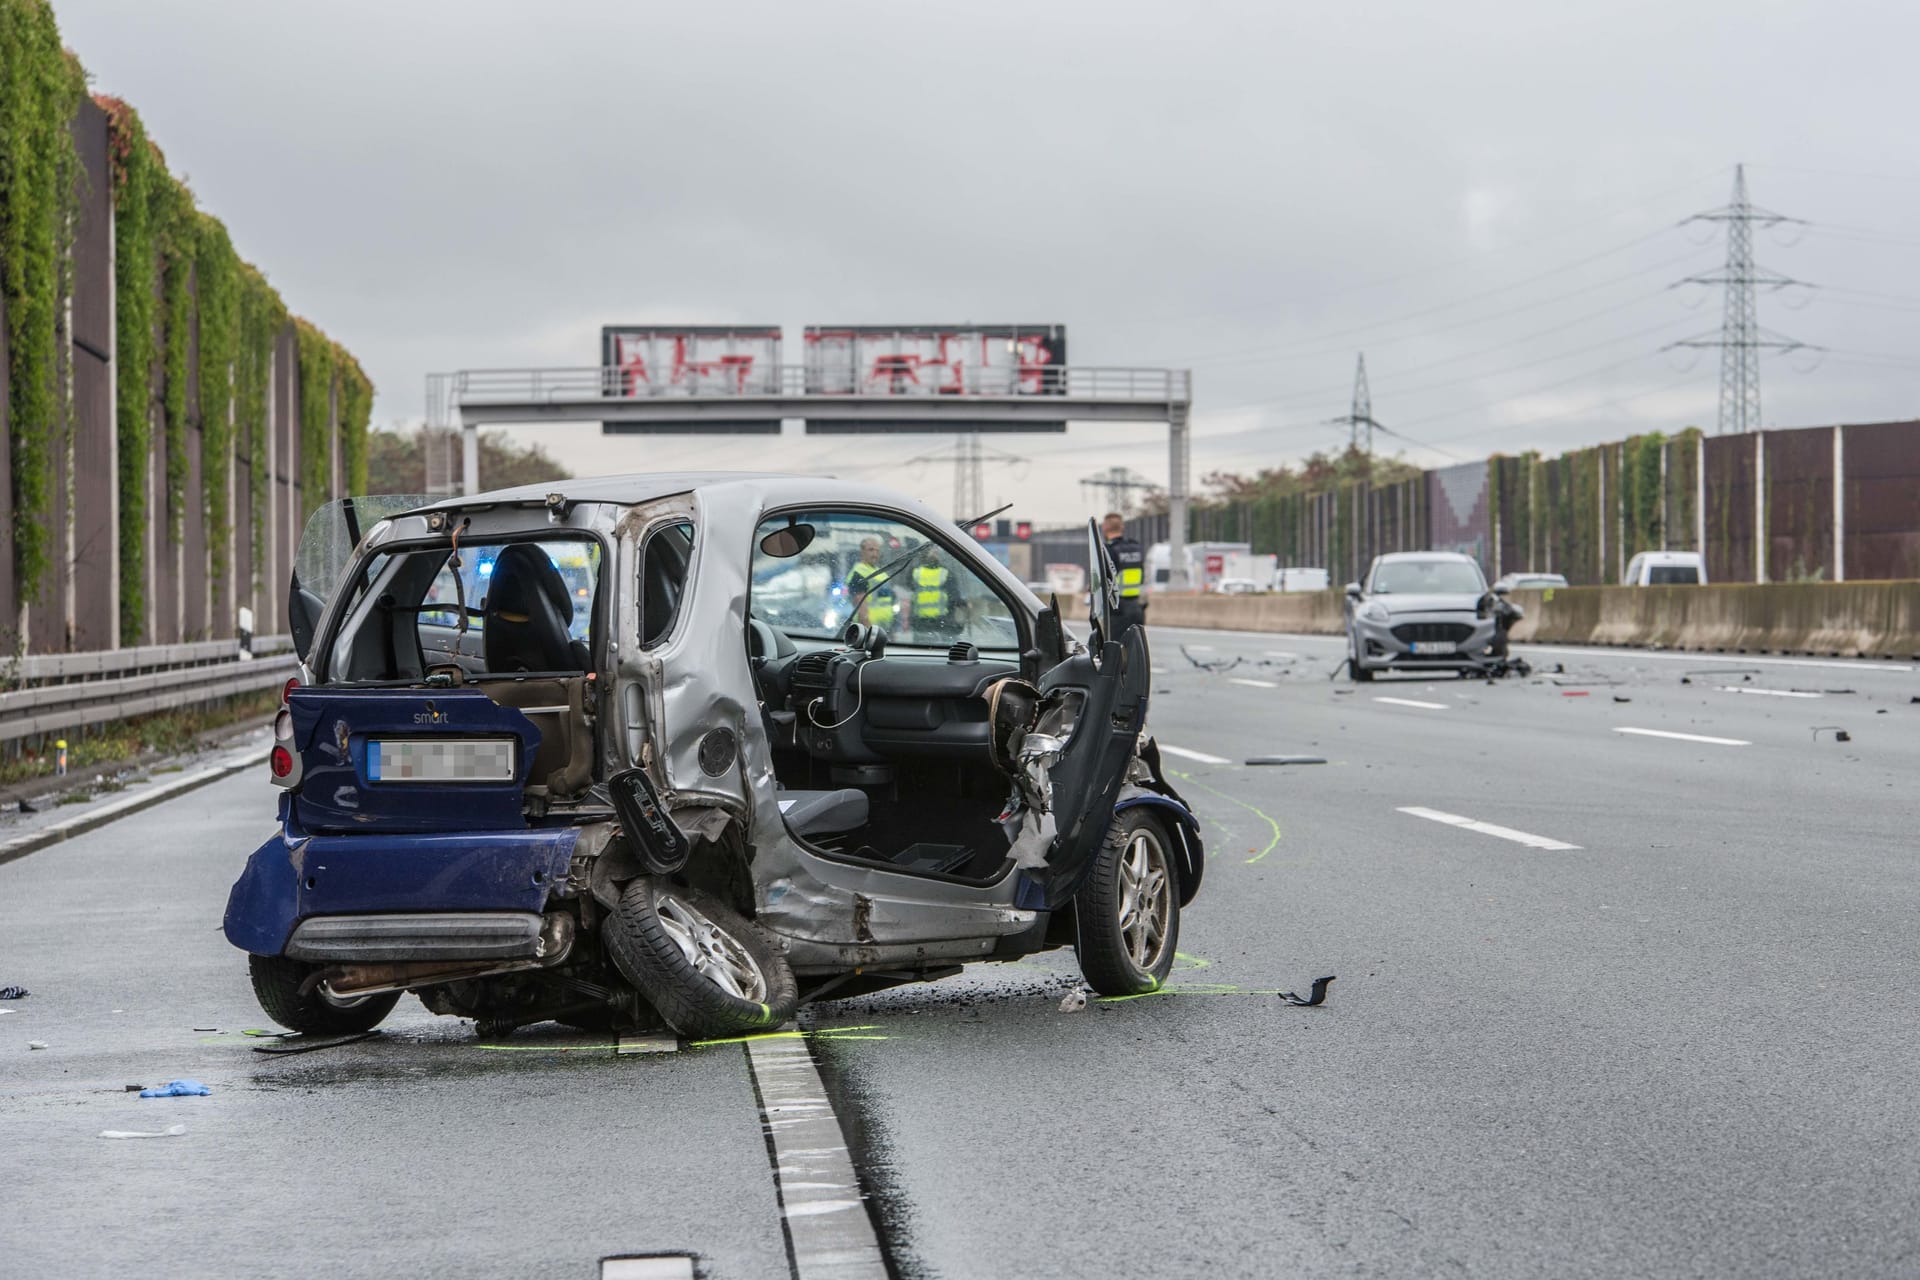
277,982
1127,914
706,969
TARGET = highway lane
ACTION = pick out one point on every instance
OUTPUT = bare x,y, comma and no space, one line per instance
1682,1048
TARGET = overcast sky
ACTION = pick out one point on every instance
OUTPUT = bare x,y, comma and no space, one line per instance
1483,197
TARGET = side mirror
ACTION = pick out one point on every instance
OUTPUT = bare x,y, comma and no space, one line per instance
1501,588
1353,591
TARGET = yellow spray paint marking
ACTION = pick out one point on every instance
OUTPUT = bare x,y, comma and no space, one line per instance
1259,813
825,1033
1181,960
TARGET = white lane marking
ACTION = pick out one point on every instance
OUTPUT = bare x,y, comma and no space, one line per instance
1252,684
1487,828
1159,671
1200,756
1414,702
1686,737
1201,648
827,1224
1771,693
1699,659
1280,653
657,1267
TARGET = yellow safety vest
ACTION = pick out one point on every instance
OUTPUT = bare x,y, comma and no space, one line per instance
1130,581
879,607
930,592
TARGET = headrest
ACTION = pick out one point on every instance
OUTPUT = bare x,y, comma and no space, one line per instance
519,572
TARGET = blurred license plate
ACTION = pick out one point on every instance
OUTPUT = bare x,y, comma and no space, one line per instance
1423,647
440,760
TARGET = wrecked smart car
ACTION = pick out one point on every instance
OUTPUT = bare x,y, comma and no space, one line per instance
694,749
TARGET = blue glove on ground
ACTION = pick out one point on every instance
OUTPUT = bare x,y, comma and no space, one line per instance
178,1089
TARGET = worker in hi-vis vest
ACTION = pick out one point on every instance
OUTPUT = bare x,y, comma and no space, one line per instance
1130,564
933,601
875,593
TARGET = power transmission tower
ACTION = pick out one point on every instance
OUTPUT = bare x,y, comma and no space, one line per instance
970,459
1119,485
1361,413
1741,339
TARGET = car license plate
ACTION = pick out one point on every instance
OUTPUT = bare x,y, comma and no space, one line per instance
441,760
1422,648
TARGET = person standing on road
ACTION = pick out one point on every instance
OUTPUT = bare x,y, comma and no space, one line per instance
1130,562
876,594
933,599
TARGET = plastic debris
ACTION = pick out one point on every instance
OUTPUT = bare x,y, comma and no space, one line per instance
36,1044
307,1044
1618,698
206,1028
132,1088
1317,996
1286,759
1074,1001
14,993
171,1131
178,1089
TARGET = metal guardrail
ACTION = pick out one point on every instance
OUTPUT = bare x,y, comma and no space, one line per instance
792,381
75,690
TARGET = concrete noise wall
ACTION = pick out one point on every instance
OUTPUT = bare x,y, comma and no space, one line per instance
1840,619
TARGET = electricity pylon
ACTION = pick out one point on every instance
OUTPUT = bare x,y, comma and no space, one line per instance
970,458
1361,413
1741,339
1119,485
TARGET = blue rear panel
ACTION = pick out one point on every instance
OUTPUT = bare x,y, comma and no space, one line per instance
339,791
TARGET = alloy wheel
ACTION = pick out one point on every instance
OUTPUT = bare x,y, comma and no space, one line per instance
1146,899
715,954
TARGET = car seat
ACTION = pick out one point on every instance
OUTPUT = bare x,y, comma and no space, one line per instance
527,613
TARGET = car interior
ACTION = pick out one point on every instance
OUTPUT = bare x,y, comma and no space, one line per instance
514,619
875,684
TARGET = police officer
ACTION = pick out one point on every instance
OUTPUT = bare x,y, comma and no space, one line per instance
877,602
933,600
1130,562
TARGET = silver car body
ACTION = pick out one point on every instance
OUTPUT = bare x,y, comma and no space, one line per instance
1392,628
830,916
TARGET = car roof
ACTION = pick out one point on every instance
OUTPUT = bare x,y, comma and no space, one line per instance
1393,557
1668,557
768,488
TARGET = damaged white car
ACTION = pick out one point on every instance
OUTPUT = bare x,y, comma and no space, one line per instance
694,749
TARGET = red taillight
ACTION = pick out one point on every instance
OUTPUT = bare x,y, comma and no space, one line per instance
286,694
281,761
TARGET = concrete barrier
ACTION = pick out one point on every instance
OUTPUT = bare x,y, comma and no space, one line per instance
1842,619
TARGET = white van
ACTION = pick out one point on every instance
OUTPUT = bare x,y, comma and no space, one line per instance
1665,569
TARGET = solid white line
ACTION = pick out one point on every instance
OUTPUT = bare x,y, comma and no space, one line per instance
1700,659
1488,829
1414,702
1200,756
828,1226
664,1267
1771,693
1252,684
1686,737
1201,648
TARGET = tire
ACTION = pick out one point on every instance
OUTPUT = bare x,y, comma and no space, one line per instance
1126,945
708,971
276,984
1360,674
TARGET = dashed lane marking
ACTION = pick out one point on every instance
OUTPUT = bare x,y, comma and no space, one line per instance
1771,693
657,1266
1685,737
1488,829
1414,702
829,1230
1253,684
1199,757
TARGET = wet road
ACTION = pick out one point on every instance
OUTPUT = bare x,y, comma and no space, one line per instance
1682,1046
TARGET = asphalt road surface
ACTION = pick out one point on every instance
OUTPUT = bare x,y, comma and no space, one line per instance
1609,1002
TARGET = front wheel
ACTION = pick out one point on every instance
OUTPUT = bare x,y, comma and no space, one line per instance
1359,673
706,969
1127,914
277,983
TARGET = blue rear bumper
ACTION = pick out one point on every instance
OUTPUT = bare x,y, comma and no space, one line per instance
294,876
